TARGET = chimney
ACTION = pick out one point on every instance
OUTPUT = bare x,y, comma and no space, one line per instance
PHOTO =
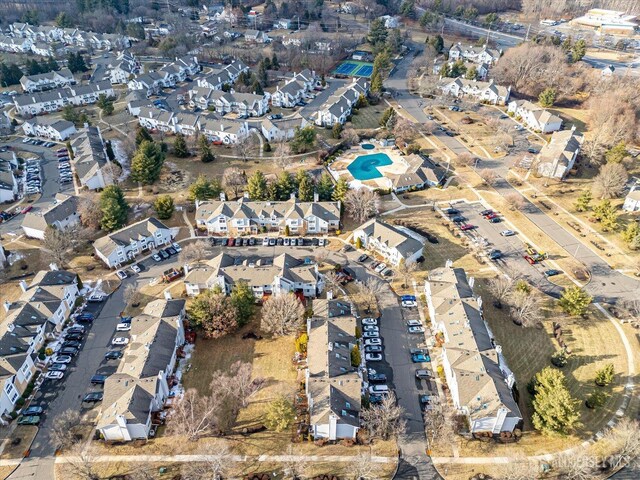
246,195
167,295
186,269
23,285
292,196
472,281
223,197
316,197
329,294
7,305
53,267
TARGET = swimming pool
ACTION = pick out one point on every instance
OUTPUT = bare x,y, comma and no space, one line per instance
364,167
368,146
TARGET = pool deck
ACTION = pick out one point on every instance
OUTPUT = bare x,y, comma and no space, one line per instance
339,168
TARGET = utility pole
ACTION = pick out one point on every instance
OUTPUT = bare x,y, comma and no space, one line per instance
526,37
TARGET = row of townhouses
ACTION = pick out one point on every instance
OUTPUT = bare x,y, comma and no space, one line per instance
47,81
212,126
332,384
141,387
8,181
245,217
49,127
478,378
124,68
221,75
52,100
69,36
394,244
60,214
338,107
265,276
168,76
25,45
38,315
295,89
488,92
90,161
124,245
478,55
534,117
559,155
244,104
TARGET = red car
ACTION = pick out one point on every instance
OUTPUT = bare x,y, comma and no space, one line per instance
467,226
491,216
231,242
529,259
27,209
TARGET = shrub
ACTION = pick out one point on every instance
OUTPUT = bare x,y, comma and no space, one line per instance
596,399
605,375
301,343
559,359
355,356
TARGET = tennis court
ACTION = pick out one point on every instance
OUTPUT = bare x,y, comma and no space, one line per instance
353,68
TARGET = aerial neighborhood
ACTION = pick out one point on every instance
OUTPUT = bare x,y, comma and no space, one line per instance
319,240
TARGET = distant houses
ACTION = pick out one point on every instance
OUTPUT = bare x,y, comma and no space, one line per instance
47,81
52,100
632,200
122,246
535,117
49,127
488,92
339,106
478,55
390,242
558,157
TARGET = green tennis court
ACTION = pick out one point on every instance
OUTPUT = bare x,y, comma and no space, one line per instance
353,68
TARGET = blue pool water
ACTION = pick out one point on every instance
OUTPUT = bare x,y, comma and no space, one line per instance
364,167
368,146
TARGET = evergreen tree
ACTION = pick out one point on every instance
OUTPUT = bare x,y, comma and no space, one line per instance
244,301
204,189
394,40
471,73
325,187
52,65
388,118
574,300
305,188
303,139
33,67
275,65
377,34
257,186
206,155
555,411
164,207
257,88
336,130
63,20
340,190
142,135
376,83
579,50
272,192
146,164
583,203
263,78
105,104
437,43
631,235
114,208
617,153
180,149
548,97
285,185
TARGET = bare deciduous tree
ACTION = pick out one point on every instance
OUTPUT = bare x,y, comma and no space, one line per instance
361,204
404,130
332,282
489,177
82,464
282,156
501,288
60,431
405,271
234,179
624,441
610,181
577,465
525,307
294,468
90,213
362,468
282,314
519,468
369,291
213,466
237,382
129,294
465,159
194,415
384,420
244,147
515,201
350,137
439,422
57,242
193,252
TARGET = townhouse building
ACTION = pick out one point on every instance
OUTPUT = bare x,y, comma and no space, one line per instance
558,157
392,243
47,81
91,163
123,69
244,217
479,380
151,83
8,182
632,200
228,132
61,214
339,106
420,172
41,309
124,245
488,92
143,383
244,104
479,55
283,129
295,89
534,117
332,385
52,100
69,36
265,276
15,44
49,127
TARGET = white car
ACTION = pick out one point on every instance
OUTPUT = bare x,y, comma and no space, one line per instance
381,267
507,233
176,247
157,257
62,359
54,375
371,328
379,389
369,321
120,341
372,341
321,242
123,327
287,242
414,323
135,268
416,329
121,274
409,303
265,242
371,335
373,357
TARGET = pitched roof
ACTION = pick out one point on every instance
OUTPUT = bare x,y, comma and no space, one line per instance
392,237
61,208
123,237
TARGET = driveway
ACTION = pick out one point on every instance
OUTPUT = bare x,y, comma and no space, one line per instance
314,105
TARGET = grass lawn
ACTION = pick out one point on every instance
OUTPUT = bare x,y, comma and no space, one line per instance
367,117
26,434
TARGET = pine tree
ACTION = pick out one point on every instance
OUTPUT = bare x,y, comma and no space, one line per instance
204,189
574,300
257,186
206,155
386,116
180,149
244,301
555,411
325,187
579,51
263,78
306,189
376,83
631,235
548,97
617,153
164,207
275,65
257,88
285,185
142,134
146,164
114,208
340,190
583,203
336,130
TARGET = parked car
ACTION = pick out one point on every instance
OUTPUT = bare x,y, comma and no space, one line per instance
29,420
377,378
95,298
54,375
71,351
156,257
136,268
98,379
123,327
33,410
495,254
113,355
76,329
121,274
425,402
467,226
363,258
380,267
379,389
371,328
552,272
419,355
73,336
373,357
176,247
171,251
57,367
507,233
424,374
62,359
369,321
272,242
373,341
373,349
164,255
408,297
93,397
409,303
495,220
371,335
458,219
415,329
71,343
414,323
120,341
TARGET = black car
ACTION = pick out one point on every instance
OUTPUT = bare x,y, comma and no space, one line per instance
458,219
73,336
377,378
86,316
373,349
98,379
71,343
76,329
93,397
349,272
71,351
113,355
363,257
452,211
280,241
315,242
171,251
164,255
